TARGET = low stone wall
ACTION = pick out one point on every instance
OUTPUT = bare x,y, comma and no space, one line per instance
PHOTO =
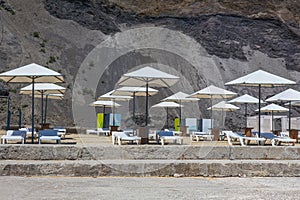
180,168
147,152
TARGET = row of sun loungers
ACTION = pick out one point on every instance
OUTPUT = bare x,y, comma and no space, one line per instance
22,134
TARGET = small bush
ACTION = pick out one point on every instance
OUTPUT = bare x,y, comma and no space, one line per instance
36,34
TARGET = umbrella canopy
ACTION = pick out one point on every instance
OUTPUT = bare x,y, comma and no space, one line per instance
245,99
167,105
134,91
43,88
223,106
260,79
288,95
104,103
114,98
148,76
212,92
32,73
110,97
273,108
180,97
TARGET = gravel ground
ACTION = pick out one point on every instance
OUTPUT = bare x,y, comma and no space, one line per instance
148,188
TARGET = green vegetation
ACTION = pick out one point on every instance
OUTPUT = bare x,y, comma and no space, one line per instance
88,91
13,91
36,34
5,6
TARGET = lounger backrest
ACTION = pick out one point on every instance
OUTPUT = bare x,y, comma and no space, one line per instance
165,133
230,133
48,133
18,133
268,135
58,127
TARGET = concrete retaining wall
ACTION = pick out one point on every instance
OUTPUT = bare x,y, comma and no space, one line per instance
176,152
186,168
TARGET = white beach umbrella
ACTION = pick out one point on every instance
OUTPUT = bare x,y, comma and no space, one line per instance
114,98
288,96
260,79
42,89
212,92
167,105
104,104
148,77
32,73
273,108
245,99
134,91
223,106
180,97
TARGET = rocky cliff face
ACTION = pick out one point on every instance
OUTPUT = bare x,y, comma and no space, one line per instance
213,42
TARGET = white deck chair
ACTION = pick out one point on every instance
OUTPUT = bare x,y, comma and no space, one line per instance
61,131
122,136
199,134
275,140
14,135
231,135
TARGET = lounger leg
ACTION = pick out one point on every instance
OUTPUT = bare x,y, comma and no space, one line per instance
119,141
113,139
242,141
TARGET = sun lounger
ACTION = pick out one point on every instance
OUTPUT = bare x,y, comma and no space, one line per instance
14,135
123,136
167,135
98,131
28,132
231,135
199,134
174,132
61,131
49,135
275,140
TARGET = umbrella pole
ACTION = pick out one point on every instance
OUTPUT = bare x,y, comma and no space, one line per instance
222,120
32,112
46,108
272,123
246,105
147,133
113,112
211,113
42,99
103,110
167,118
133,106
259,97
179,113
290,108
8,113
